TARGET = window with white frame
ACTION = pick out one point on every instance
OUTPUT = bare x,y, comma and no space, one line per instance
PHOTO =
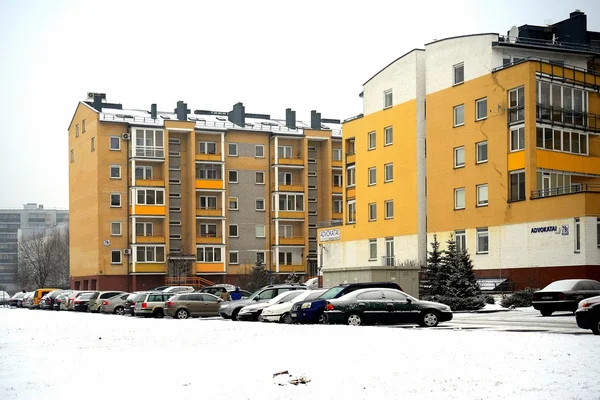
115,257
115,172
458,73
150,254
517,138
481,109
577,235
482,195
558,103
351,211
151,197
291,202
285,178
286,231
481,150
207,147
516,105
207,203
115,199
234,257
482,241
388,135
93,144
259,151
233,230
260,204
388,99
143,172
144,229
284,151
261,257
517,186
459,198
372,211
337,206
459,115
389,209
232,176
350,173
337,180
232,149
208,254
372,176
260,178
115,143
115,229
372,249
388,170
337,154
233,203
208,230
260,231
208,171
149,143
460,237
372,140
559,139
285,257
459,157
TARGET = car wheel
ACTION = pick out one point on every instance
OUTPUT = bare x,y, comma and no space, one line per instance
546,313
234,314
287,318
119,310
354,320
182,314
596,327
429,319
158,313
322,319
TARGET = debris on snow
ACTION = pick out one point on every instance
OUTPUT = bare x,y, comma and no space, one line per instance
285,378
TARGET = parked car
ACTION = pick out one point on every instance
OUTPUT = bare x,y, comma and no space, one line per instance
564,295
178,289
588,314
218,289
281,312
130,303
185,305
4,298
231,309
115,304
151,304
61,301
98,297
48,303
158,289
74,296
81,302
384,306
43,303
17,299
311,312
28,300
252,312
312,283
38,294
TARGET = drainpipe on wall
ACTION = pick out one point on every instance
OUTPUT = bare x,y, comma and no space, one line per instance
129,130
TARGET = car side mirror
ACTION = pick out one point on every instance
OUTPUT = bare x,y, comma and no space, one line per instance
409,301
256,299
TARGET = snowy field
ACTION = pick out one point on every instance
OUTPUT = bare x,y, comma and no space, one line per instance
51,355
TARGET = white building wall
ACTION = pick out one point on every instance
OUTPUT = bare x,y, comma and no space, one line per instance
421,161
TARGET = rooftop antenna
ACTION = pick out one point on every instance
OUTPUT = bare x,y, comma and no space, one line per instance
548,21
513,34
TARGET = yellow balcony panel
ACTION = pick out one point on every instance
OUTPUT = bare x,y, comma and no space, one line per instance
150,239
289,214
148,268
207,212
350,158
290,188
209,239
516,160
337,215
336,163
216,184
150,182
351,193
147,210
291,268
567,162
210,267
337,189
208,157
289,161
291,241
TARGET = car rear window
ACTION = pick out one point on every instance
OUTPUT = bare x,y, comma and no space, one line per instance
332,293
561,285
140,297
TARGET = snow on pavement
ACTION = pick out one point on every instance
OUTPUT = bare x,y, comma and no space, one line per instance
47,354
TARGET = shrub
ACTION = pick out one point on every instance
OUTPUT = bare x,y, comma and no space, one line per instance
521,298
460,303
489,299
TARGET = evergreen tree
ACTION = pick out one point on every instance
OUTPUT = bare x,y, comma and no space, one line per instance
461,279
448,271
434,261
469,283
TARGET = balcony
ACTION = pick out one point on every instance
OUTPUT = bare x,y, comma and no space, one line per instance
337,216
290,188
145,268
336,164
351,192
209,239
150,239
568,118
148,210
209,212
350,158
337,190
291,268
292,161
210,184
210,267
150,182
147,152
569,189
208,157
289,214
291,241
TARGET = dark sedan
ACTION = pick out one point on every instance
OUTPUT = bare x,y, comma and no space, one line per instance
81,303
564,295
384,306
588,314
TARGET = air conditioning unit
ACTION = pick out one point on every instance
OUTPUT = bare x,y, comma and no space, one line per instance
127,252
126,136
90,96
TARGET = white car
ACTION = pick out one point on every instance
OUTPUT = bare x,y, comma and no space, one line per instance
178,289
4,298
252,312
281,312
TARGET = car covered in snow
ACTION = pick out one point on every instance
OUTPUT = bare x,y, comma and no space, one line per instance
281,312
564,295
588,314
230,309
252,312
17,299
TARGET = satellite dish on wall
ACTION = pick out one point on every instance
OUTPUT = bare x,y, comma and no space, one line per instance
513,34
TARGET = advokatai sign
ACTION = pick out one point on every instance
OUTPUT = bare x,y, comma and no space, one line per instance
329,234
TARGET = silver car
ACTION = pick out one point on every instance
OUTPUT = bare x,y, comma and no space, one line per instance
98,297
114,305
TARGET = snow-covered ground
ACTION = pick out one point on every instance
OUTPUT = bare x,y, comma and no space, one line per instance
51,355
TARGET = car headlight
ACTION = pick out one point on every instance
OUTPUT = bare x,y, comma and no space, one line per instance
446,308
306,305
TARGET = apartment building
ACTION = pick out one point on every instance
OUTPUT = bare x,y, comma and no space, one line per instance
31,218
226,190
492,139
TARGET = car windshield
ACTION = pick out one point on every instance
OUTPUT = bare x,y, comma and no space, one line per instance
331,293
314,295
253,295
560,285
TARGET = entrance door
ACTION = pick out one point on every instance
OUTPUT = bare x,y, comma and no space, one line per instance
389,252
546,185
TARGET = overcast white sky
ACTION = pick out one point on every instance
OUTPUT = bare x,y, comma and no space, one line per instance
270,55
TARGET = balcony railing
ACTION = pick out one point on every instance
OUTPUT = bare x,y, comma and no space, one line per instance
569,189
568,118
388,261
209,212
327,224
147,152
208,156
556,44
297,160
516,114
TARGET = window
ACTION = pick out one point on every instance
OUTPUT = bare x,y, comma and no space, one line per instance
234,257
459,199
115,228
83,126
115,257
72,155
517,139
233,231
151,197
460,237
149,143
208,230
286,231
482,241
482,195
233,203
561,140
208,254
372,211
459,115
481,109
115,172
233,176
260,231
459,73
290,202
115,199
352,211
351,177
93,144
260,257
372,176
207,203
77,130
284,151
389,209
559,103
388,172
150,254
259,151
115,143
388,98
232,149
207,147
260,178
388,135
285,257
260,204
517,186
208,171
389,252
143,229
372,249
482,152
516,105
372,140
577,235
459,157
285,178
337,206
337,154
337,180
143,172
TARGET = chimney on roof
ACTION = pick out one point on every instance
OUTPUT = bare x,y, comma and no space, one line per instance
290,118
97,102
238,114
315,120
181,111
153,111
576,13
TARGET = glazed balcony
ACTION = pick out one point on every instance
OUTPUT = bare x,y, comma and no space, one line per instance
568,118
147,152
